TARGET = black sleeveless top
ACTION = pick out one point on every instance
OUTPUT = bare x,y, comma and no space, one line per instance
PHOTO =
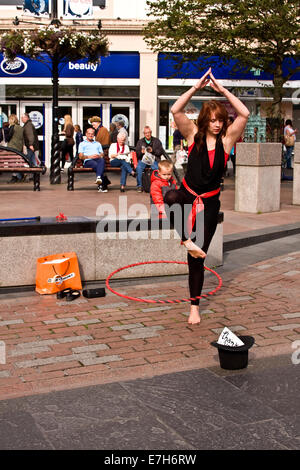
200,177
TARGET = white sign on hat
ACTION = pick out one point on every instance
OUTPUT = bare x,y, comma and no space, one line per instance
227,338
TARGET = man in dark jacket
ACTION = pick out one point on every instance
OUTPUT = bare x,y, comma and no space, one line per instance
145,146
31,140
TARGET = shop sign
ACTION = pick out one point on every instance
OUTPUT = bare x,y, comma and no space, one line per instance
121,117
37,119
13,67
116,65
36,7
78,9
82,66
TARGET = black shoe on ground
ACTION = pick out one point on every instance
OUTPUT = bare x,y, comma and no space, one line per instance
13,180
102,189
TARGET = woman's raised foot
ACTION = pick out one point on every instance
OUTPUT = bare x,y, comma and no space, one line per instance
193,249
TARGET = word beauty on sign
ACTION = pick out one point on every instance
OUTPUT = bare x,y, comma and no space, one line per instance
227,338
82,66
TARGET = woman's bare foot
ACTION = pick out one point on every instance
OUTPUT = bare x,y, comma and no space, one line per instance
194,317
193,249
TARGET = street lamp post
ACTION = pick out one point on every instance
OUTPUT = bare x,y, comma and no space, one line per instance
55,176
60,45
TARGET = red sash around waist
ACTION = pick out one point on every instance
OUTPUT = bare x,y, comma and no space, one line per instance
198,205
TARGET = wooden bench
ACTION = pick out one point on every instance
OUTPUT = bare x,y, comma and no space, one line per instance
77,167
13,161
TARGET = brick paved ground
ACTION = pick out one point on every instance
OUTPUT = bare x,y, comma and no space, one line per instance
55,345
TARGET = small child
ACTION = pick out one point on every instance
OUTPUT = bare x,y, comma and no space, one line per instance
161,182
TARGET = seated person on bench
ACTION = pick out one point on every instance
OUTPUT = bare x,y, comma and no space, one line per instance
119,155
148,144
91,152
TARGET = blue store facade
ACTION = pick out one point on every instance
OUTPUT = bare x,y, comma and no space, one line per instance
109,90
112,90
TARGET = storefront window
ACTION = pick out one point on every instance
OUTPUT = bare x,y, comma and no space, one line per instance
112,92
5,111
21,91
166,121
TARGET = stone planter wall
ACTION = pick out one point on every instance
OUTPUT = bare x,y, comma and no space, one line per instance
258,177
98,253
296,175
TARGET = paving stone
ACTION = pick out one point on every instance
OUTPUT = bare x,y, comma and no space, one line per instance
59,320
154,296
91,348
265,266
127,327
10,322
84,322
147,332
36,344
4,373
156,309
290,326
24,351
291,315
100,360
115,305
242,298
50,342
52,360
70,339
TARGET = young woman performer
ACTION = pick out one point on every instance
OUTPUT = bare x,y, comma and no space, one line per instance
210,142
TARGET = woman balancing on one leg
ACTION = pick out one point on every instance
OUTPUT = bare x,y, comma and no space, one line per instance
210,142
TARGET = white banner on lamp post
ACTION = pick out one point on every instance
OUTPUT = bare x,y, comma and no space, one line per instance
36,7
80,9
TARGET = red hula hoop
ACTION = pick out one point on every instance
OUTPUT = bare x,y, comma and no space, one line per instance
153,301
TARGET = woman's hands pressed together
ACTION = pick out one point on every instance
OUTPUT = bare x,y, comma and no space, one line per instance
204,80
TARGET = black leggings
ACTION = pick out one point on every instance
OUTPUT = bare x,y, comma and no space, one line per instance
206,224
65,148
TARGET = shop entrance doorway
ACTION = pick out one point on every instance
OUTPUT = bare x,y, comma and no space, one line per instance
108,112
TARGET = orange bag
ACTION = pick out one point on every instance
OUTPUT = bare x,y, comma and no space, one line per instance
134,159
57,272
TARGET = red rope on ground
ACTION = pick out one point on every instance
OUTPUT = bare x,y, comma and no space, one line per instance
153,301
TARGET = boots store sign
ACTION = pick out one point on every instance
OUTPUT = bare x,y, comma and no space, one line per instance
116,65
15,67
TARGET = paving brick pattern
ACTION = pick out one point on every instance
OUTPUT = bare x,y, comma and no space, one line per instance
52,345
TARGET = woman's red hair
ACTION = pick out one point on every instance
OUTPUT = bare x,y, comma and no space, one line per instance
204,117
